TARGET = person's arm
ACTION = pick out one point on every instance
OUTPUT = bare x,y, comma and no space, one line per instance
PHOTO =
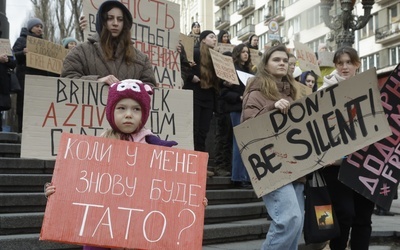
18,50
147,74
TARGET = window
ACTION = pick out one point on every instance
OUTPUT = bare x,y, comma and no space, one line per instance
369,62
368,30
313,17
295,23
392,13
235,5
394,55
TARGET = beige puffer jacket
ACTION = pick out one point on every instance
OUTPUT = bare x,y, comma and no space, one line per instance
87,61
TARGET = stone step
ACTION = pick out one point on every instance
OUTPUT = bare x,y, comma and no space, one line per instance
31,222
214,233
10,149
23,182
31,242
10,137
22,202
25,166
36,202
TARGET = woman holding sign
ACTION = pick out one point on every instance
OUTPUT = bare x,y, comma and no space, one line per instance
353,210
109,56
273,88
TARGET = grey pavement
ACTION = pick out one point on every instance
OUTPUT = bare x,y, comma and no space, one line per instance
382,226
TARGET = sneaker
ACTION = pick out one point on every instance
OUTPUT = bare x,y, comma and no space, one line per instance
222,172
210,173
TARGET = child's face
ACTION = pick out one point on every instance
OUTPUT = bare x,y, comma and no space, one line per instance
127,115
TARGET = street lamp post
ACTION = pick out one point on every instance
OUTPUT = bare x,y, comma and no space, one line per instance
346,23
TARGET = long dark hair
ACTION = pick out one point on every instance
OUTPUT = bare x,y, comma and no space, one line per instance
109,44
236,53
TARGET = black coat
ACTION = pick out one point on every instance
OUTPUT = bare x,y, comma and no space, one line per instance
5,81
18,50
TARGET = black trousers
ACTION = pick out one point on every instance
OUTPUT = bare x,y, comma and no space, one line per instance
223,141
353,211
202,121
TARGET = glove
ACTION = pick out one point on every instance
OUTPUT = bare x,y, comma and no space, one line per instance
155,140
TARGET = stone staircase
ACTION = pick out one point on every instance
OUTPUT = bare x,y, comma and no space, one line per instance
232,215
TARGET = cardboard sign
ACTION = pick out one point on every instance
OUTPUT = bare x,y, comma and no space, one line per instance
188,44
302,90
325,59
318,129
224,67
306,57
114,193
44,55
243,76
374,171
155,31
56,105
255,57
5,47
224,47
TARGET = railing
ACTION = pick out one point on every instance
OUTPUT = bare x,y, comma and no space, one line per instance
246,30
221,20
387,30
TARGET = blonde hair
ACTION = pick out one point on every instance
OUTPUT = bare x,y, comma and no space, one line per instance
267,82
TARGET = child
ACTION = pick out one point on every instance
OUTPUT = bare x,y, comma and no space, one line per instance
127,110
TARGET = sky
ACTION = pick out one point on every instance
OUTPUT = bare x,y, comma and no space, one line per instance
17,12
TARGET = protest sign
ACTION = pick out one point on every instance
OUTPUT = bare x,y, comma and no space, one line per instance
318,129
307,59
325,59
115,193
155,31
255,57
224,47
224,68
44,55
374,171
188,44
56,105
243,76
302,90
5,47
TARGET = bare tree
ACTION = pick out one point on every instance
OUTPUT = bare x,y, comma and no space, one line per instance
60,18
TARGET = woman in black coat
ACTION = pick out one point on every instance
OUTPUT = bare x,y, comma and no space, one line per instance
6,64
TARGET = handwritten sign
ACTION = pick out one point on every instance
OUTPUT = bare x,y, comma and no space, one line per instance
278,149
114,193
307,59
224,67
155,31
45,55
188,44
326,59
374,171
224,47
56,105
255,56
5,47
302,90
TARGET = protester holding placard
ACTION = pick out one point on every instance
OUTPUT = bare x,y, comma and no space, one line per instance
223,128
109,56
233,95
273,88
204,84
34,28
127,110
353,210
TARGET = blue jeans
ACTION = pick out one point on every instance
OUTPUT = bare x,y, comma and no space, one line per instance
286,208
239,172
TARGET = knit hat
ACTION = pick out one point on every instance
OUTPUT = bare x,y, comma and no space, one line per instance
205,33
33,22
107,6
67,40
133,89
195,23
